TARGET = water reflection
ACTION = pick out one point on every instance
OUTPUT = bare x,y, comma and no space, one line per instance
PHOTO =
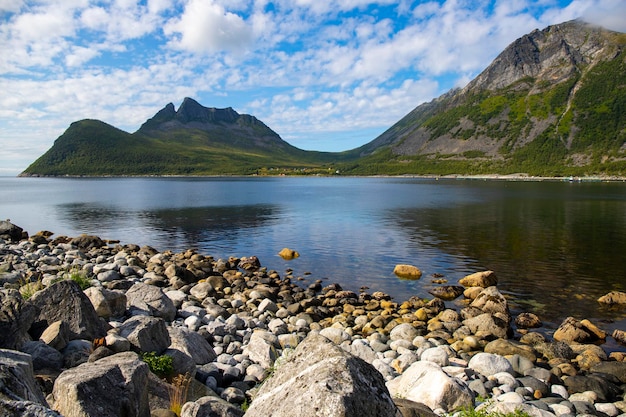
553,256
175,229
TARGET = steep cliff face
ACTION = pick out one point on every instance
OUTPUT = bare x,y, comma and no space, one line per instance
560,91
551,56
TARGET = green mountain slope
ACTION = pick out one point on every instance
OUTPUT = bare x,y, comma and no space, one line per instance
194,140
552,103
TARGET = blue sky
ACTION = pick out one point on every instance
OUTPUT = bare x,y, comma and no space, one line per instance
326,75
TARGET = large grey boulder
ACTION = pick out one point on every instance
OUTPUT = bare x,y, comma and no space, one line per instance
43,356
321,379
16,317
112,386
150,300
146,334
9,231
262,347
20,395
191,343
489,364
65,301
107,303
425,382
18,380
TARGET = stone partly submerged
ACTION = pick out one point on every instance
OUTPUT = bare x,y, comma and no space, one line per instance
407,271
288,254
241,337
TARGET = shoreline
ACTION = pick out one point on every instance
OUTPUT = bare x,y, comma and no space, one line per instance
521,177
251,320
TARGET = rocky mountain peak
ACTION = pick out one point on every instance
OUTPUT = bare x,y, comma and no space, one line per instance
192,111
549,56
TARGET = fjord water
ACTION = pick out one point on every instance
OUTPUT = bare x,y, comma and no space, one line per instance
555,246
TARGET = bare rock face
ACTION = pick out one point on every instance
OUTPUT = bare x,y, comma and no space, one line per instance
551,54
113,386
321,379
65,301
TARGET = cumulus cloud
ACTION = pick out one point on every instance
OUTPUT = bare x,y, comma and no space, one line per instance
609,13
312,70
207,27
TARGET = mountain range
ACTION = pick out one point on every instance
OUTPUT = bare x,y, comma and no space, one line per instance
553,103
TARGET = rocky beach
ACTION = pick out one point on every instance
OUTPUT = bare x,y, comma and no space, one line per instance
84,324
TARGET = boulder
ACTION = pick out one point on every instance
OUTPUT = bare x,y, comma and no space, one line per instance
555,350
12,408
528,321
86,242
9,231
404,331
65,301
491,301
112,386
320,378
617,369
613,297
488,325
505,347
261,348
57,335
574,331
407,271
410,408
489,364
604,389
16,317
447,292
482,279
18,380
107,303
191,343
210,406
76,352
146,334
425,382
288,254
151,300
44,356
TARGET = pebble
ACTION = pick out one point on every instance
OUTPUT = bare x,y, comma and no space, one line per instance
226,305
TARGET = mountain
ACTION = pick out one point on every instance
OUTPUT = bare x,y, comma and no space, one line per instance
552,103
193,140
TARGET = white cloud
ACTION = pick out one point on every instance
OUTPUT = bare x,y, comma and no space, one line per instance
207,27
610,14
11,6
309,69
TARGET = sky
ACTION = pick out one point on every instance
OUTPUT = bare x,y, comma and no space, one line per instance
327,75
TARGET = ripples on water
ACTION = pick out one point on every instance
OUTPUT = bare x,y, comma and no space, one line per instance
556,247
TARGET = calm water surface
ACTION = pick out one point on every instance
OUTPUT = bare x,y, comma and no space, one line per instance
555,246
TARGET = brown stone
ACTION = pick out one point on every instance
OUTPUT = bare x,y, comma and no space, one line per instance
482,279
